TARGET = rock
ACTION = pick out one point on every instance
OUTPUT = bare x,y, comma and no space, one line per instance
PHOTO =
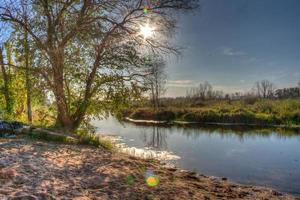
10,126
224,179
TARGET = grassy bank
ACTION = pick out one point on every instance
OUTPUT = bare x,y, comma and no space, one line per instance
80,137
259,112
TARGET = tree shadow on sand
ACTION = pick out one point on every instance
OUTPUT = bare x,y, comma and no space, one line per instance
49,170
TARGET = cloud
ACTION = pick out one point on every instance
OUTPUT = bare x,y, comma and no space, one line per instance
230,52
180,83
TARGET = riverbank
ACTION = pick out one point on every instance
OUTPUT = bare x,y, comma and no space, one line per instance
296,128
277,113
32,169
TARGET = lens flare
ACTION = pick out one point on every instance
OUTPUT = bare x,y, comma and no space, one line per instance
146,10
151,179
146,31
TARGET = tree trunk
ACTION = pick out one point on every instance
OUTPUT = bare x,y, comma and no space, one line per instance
6,83
64,117
27,77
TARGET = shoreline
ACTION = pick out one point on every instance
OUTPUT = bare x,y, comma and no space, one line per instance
178,122
47,170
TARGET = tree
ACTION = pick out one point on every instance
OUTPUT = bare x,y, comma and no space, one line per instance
23,57
288,93
5,87
7,75
88,49
27,76
156,79
204,91
264,89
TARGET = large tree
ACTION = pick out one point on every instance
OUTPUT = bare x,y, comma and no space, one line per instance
89,49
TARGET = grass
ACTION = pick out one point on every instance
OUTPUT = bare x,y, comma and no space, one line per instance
42,135
94,140
81,137
260,112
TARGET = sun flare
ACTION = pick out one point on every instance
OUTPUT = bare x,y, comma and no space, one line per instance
146,31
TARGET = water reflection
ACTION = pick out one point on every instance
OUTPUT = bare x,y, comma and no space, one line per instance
158,135
157,139
245,154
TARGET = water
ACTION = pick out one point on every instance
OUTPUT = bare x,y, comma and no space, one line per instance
249,156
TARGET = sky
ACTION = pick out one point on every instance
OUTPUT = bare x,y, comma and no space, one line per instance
234,43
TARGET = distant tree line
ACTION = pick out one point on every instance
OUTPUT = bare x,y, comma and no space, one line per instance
262,89
196,96
204,91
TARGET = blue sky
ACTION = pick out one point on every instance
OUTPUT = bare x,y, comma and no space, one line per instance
233,43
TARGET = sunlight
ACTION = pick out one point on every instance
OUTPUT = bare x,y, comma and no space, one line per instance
146,31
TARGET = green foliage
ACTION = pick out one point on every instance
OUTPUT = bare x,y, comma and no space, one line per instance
94,140
16,108
260,112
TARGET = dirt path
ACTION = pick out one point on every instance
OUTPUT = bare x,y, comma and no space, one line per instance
39,170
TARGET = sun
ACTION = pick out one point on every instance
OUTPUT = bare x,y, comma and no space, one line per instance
146,31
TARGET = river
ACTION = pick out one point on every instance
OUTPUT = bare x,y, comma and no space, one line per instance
242,154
